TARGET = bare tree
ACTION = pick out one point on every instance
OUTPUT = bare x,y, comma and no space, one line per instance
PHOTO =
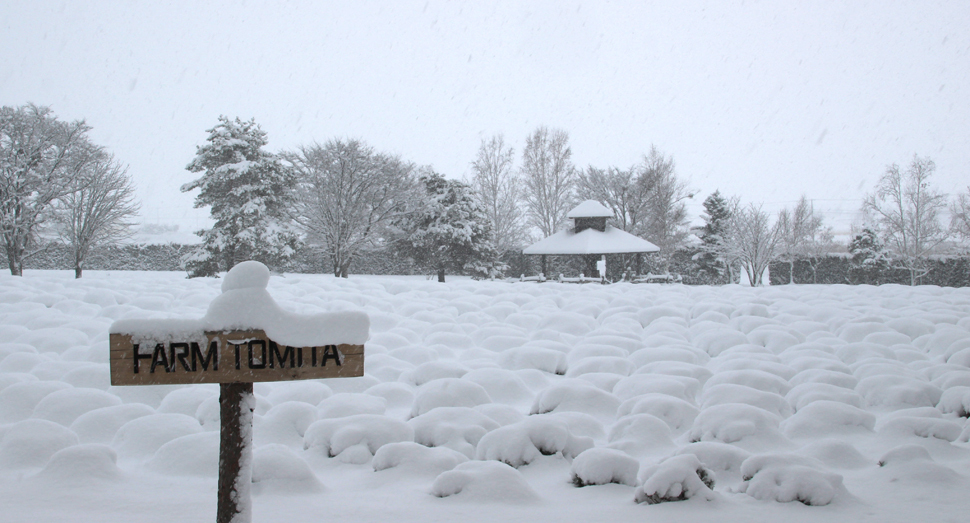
819,244
960,215
97,214
497,188
619,190
906,211
666,212
40,159
346,195
548,175
796,228
751,240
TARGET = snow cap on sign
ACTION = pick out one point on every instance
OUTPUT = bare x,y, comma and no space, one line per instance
246,304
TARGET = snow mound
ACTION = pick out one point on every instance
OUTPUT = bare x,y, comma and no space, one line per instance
898,391
192,455
448,392
360,436
732,422
836,454
417,458
100,425
682,387
723,459
575,395
279,470
17,401
638,434
142,436
801,395
32,442
539,358
81,464
457,428
786,478
187,400
523,442
956,400
677,478
756,379
285,423
825,417
307,391
677,413
912,464
486,481
345,404
600,466
922,427
733,393
503,386
433,370
716,341
66,405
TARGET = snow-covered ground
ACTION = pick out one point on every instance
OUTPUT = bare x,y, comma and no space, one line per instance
850,399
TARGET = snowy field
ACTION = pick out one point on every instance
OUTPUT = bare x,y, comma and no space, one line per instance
799,403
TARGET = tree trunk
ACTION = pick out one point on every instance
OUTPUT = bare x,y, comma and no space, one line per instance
441,275
15,256
791,272
16,269
236,403
77,272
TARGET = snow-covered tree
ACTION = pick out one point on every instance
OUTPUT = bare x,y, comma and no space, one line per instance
620,191
666,212
498,189
448,231
712,258
960,216
41,159
548,175
98,213
346,196
868,258
906,212
797,230
751,240
247,189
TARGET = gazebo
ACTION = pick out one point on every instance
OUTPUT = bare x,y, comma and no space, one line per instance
589,237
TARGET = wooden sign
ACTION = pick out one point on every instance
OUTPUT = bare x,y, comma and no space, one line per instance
227,357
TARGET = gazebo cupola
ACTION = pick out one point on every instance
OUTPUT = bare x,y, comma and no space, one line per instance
590,214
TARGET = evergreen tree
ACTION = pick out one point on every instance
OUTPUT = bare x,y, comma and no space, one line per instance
717,212
246,188
449,231
869,261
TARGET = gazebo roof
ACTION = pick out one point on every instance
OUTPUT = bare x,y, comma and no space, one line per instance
591,241
590,209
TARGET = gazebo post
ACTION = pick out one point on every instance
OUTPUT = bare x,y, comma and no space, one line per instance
543,272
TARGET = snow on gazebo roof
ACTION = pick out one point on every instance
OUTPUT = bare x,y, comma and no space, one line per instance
590,209
591,241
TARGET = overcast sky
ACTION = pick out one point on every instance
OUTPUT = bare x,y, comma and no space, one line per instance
763,100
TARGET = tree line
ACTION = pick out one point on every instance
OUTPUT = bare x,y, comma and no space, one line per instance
55,182
343,198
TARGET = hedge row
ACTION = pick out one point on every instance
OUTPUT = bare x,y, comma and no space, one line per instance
834,269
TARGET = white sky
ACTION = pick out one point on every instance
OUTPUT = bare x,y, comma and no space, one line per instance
764,100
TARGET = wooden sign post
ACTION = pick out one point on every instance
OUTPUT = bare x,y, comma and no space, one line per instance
234,360
166,352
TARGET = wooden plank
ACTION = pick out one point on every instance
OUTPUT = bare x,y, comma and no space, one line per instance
237,356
